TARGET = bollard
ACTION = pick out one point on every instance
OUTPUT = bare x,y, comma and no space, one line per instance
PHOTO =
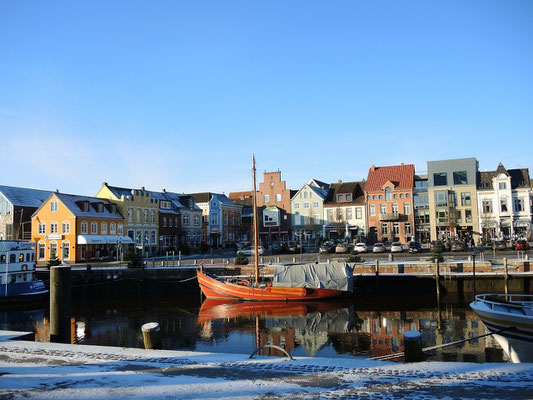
437,273
151,336
506,276
412,346
60,295
294,259
377,267
391,257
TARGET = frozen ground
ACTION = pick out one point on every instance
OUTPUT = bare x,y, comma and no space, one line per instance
57,371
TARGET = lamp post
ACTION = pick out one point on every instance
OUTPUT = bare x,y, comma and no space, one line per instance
474,272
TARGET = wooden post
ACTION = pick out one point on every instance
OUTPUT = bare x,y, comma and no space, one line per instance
412,346
506,276
377,267
60,296
151,335
391,257
437,267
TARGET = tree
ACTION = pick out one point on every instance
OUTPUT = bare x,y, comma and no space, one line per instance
135,259
436,251
241,259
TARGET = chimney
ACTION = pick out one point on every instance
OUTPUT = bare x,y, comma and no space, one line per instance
142,188
340,181
403,164
164,190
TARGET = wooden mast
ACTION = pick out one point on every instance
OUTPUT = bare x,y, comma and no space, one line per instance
255,227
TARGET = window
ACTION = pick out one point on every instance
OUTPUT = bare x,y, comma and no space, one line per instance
358,213
380,197
226,219
103,228
196,220
396,228
372,210
519,205
120,230
442,217
139,221
465,199
395,195
407,227
146,217
305,195
441,199
468,216
315,204
348,197
53,250
164,222
84,227
278,196
487,206
41,251
130,215
459,178
383,209
349,213
339,197
267,198
113,229
406,208
42,229
503,205
153,237
53,206
5,209
395,208
186,219
53,228
330,215
232,219
384,229
65,250
440,179
153,217
388,194
214,219
296,206
94,228
502,185
374,197
65,228
306,204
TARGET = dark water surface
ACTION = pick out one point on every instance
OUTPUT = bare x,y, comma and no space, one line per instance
112,315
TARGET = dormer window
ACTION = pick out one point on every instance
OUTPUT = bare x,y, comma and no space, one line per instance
112,208
388,194
83,205
339,197
348,197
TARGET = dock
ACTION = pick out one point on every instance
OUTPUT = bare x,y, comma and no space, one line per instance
63,371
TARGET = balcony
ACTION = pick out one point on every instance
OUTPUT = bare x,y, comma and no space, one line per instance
389,217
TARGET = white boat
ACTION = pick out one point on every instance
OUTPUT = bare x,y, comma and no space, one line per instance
511,316
17,272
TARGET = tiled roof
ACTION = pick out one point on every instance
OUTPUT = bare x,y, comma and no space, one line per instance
519,177
71,202
356,189
120,191
24,197
240,195
201,197
402,176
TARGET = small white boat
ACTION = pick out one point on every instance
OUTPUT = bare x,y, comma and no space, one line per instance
512,317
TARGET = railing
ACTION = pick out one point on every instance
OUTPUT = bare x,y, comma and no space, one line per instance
389,217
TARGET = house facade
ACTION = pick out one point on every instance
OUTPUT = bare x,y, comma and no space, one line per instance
191,220
421,209
452,195
17,205
307,209
389,199
78,228
141,215
503,200
345,211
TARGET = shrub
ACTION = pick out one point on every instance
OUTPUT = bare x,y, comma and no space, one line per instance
134,258
355,258
53,262
241,259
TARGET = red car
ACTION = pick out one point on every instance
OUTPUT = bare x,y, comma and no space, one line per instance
521,245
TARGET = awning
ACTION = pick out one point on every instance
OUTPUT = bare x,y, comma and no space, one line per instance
119,239
104,239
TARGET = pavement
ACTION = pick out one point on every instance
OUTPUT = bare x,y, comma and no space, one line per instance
63,371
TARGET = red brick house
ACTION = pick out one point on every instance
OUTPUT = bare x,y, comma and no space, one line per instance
389,195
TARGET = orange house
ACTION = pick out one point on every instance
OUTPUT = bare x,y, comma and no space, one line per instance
78,228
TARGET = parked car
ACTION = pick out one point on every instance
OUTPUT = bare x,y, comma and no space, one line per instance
378,248
436,243
360,248
414,247
293,247
499,245
387,245
458,246
341,248
396,247
248,251
327,247
521,245
242,245
275,248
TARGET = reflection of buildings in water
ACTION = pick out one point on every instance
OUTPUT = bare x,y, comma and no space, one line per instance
279,337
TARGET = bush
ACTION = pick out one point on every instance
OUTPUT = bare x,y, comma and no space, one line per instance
135,259
53,262
355,258
241,259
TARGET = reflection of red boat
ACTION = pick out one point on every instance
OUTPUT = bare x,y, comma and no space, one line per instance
217,289
223,309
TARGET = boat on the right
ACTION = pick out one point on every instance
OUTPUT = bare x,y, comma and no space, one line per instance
510,318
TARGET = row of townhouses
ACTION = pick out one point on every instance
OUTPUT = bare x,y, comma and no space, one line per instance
451,199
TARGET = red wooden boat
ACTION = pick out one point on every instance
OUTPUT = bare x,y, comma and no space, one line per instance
213,288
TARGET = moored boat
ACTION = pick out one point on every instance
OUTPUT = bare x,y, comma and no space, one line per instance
17,272
510,318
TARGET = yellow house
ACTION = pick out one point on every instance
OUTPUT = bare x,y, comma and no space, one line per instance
141,215
77,228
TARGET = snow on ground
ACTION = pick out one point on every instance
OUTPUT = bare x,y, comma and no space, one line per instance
59,371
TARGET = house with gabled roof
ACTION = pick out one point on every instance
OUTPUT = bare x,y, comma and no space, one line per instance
17,205
504,198
191,219
389,199
77,228
307,209
141,214
344,211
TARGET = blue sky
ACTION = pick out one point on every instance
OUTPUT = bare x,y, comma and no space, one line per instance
178,94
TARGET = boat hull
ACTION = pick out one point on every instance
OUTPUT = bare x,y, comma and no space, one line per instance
517,339
215,289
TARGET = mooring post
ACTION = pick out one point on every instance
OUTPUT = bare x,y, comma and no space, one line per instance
437,267
60,295
391,257
412,344
179,259
377,267
151,336
506,276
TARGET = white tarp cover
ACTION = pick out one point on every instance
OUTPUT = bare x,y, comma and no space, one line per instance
333,275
